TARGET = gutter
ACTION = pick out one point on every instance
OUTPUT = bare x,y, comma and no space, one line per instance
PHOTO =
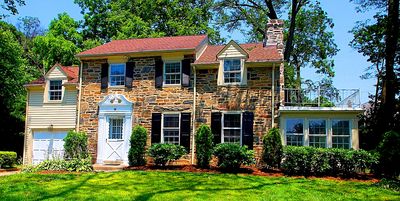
137,52
194,112
79,98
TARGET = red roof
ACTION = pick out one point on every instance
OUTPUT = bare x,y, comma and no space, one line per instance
71,71
146,45
256,51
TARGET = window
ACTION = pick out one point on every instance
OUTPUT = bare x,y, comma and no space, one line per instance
55,90
294,132
117,74
232,71
341,134
317,132
116,126
172,73
231,128
171,125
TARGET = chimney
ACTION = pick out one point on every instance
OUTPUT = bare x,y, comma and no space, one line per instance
274,34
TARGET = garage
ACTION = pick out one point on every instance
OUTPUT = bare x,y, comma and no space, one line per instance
48,145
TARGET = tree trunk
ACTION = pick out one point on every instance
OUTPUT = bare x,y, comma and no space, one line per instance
389,82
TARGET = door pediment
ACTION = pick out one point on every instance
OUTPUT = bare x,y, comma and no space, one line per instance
115,103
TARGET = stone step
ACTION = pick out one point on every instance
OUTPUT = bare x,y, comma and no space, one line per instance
108,167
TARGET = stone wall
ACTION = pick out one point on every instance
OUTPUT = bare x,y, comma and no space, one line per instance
147,99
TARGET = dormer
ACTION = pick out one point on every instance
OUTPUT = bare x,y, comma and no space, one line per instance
232,70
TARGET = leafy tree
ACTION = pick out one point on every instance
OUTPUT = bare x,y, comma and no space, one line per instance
11,6
66,27
204,146
389,151
30,27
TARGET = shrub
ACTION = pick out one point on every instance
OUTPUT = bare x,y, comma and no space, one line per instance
137,151
73,165
7,158
204,146
75,145
389,150
232,156
272,148
326,161
163,153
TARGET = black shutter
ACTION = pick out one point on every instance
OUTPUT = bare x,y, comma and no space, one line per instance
155,128
104,76
185,72
129,74
247,129
216,126
159,72
185,130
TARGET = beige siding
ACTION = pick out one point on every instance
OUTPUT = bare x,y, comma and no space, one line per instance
60,115
231,52
56,73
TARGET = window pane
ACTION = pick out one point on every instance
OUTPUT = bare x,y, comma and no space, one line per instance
317,127
294,126
232,120
171,120
117,69
173,67
171,136
231,135
340,127
318,141
341,142
172,73
232,65
115,130
232,77
55,85
294,140
55,89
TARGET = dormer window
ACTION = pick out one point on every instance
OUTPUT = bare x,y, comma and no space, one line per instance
117,74
232,71
55,90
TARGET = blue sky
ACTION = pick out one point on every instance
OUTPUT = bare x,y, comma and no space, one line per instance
349,64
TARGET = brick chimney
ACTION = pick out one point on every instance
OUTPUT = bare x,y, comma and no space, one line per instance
274,34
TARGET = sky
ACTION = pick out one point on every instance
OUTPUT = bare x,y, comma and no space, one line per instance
349,64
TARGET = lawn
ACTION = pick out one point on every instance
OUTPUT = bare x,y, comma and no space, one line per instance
156,185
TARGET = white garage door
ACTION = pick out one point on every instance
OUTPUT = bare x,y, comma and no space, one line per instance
48,145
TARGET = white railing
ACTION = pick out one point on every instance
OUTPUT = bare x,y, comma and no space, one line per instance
346,98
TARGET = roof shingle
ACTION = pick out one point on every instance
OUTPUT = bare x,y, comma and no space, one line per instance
71,71
146,45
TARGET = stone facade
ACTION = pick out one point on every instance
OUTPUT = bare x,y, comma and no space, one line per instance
148,99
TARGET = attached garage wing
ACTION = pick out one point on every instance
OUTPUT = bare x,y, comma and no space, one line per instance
48,145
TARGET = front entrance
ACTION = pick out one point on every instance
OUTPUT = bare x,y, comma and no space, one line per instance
115,126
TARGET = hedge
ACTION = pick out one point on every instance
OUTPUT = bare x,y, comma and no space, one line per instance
164,153
7,158
73,165
76,145
231,156
137,150
327,161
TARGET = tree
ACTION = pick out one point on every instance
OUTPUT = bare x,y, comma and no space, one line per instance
11,6
272,148
105,20
308,35
66,27
204,146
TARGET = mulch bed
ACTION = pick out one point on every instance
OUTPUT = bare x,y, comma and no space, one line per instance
9,169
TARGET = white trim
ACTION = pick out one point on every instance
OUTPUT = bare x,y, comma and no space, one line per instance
350,131
180,73
109,75
162,125
239,128
318,135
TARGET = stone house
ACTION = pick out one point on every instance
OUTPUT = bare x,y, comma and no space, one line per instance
171,85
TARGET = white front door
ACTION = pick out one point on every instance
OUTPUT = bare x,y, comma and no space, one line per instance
114,147
48,145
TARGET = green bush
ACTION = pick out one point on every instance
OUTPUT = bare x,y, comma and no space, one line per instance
7,158
137,151
231,156
204,146
163,153
75,145
73,165
326,161
389,150
272,148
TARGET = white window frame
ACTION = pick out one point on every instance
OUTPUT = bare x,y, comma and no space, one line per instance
295,134
110,118
165,74
318,135
162,126
49,90
109,74
238,128
240,71
350,133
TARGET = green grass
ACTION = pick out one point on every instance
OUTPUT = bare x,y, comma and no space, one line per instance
155,185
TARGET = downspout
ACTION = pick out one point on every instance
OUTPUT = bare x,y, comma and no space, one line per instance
194,112
273,96
79,98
